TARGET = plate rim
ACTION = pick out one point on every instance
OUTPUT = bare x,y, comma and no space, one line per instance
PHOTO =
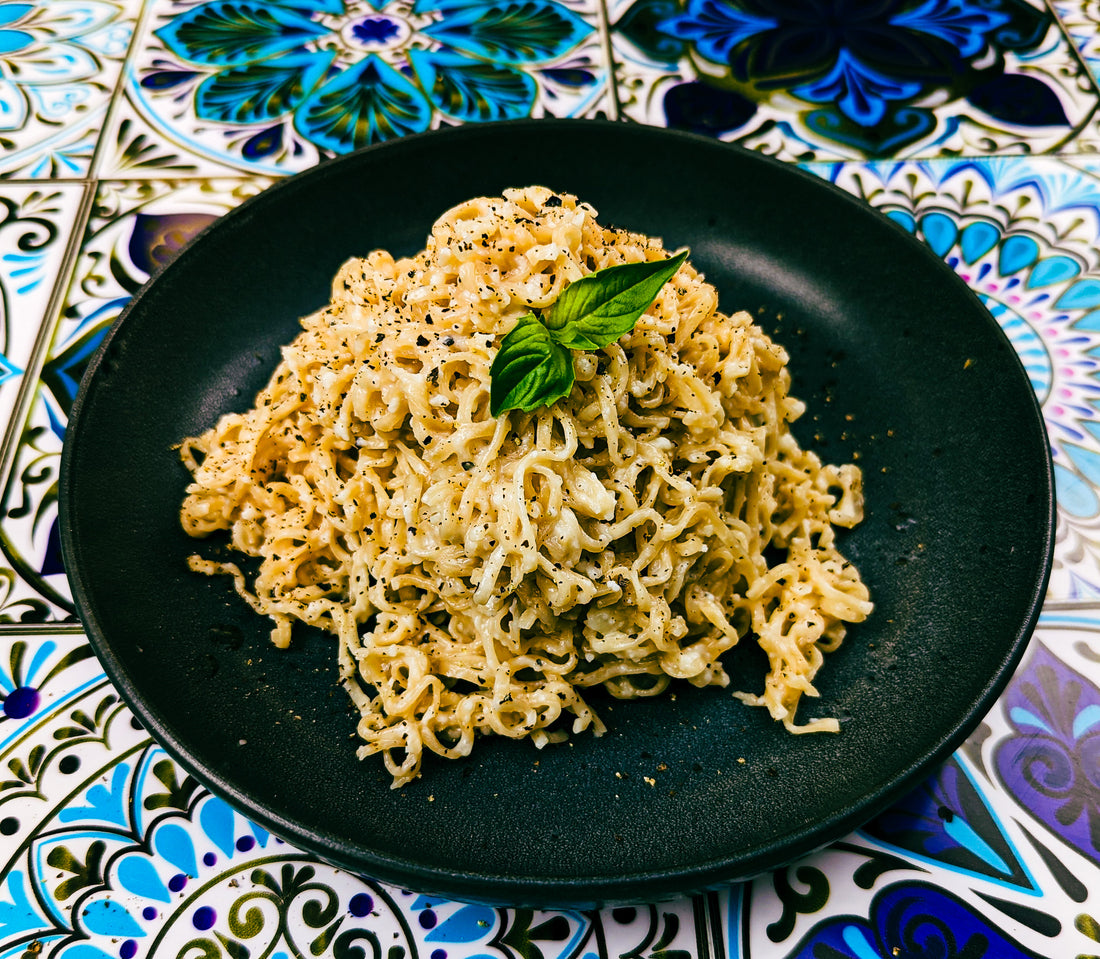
641,885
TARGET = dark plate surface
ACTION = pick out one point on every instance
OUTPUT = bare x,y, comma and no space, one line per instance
900,366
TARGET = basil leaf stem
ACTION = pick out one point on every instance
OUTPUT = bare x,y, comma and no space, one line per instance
534,365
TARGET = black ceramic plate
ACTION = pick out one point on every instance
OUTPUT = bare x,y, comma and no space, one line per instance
900,365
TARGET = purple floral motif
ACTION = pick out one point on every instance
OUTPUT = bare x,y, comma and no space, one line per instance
157,239
911,921
30,668
1052,763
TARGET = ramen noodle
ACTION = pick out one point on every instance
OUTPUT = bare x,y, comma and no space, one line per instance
479,574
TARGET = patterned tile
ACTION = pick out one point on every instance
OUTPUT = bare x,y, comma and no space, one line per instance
274,88
132,147
1025,235
182,108
109,849
853,80
993,849
134,229
60,62
1080,20
988,857
36,224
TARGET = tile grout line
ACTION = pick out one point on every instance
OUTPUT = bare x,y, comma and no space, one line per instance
1057,148
28,386
609,54
1052,604
38,630
117,93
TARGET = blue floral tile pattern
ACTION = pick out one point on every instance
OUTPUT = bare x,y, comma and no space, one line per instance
849,79
113,851
134,230
278,86
948,821
965,866
60,61
1024,235
38,590
126,126
138,860
36,226
908,912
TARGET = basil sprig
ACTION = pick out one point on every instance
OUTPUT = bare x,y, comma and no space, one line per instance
534,365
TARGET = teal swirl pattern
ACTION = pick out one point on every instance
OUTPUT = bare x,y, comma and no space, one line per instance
340,76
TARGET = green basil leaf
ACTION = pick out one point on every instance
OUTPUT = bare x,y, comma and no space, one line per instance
529,370
599,308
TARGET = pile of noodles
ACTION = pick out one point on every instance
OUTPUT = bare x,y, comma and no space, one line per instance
480,573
